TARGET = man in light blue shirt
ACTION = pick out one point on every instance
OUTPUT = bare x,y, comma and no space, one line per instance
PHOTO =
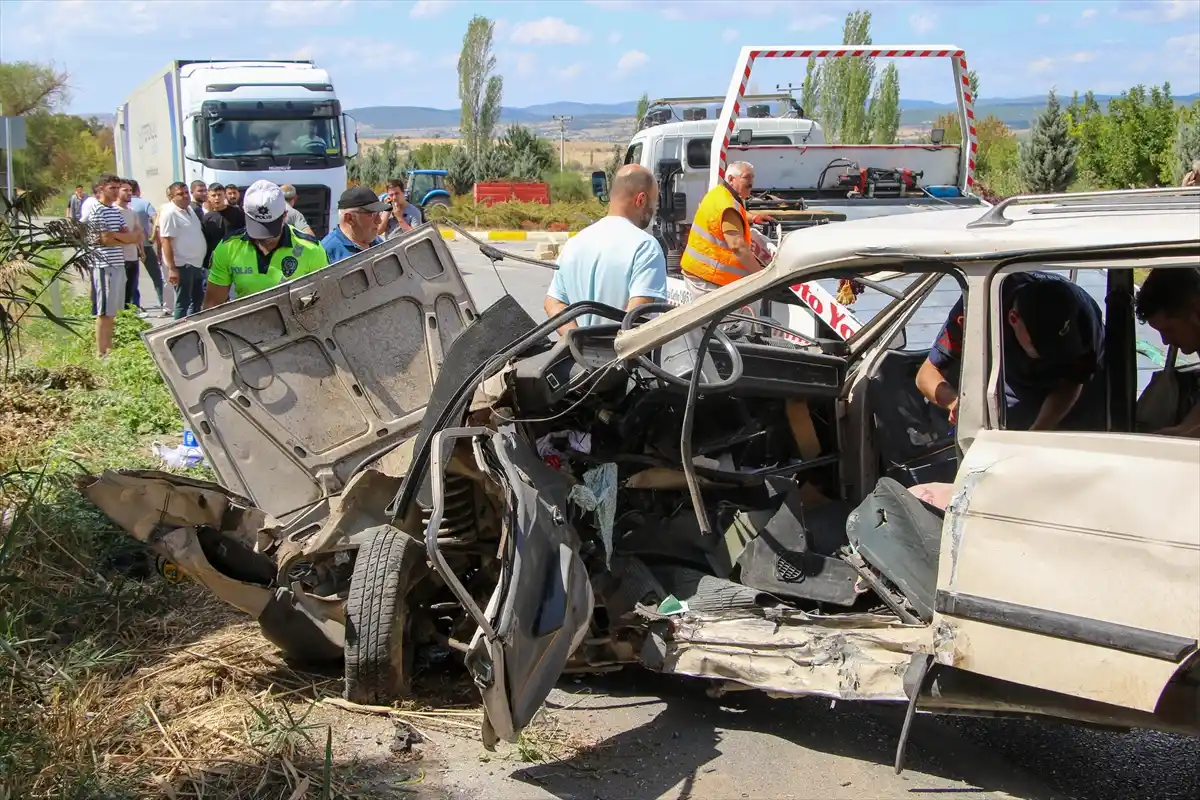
613,261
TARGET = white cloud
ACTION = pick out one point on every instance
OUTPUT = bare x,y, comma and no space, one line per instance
1088,14
1188,46
569,72
361,54
922,22
424,9
730,35
812,22
1160,11
1043,19
448,60
287,13
1049,63
614,37
548,30
632,61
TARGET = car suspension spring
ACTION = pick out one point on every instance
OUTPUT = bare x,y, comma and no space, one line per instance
459,517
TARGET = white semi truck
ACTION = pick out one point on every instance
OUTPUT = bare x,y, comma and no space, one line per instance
235,122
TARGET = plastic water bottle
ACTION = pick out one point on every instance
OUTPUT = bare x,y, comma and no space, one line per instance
189,438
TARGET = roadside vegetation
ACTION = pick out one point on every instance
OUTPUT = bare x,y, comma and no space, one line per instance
114,682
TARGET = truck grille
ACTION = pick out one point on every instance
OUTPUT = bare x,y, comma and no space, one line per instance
313,203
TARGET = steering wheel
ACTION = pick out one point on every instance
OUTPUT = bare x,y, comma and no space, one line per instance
644,360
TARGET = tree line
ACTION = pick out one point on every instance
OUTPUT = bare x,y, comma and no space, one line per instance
62,150
1140,139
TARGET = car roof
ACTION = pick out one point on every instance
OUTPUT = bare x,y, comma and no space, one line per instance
1047,225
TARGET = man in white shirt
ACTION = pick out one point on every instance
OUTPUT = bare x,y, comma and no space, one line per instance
183,249
614,260
89,204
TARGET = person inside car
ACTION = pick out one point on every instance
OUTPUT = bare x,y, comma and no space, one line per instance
1053,352
1169,302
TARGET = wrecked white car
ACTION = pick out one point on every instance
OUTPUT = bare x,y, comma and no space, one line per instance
402,472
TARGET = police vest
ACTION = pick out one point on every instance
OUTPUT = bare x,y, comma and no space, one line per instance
707,256
238,262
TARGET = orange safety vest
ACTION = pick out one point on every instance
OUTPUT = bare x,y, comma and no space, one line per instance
707,256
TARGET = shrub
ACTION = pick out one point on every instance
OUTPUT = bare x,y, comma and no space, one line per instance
569,187
466,212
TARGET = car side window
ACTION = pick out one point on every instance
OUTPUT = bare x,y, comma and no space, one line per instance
699,151
634,154
1054,340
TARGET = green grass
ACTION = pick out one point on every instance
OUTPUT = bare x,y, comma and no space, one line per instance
113,423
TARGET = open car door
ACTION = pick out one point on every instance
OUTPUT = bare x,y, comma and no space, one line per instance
542,605
291,391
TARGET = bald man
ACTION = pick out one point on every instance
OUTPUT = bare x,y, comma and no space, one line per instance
614,260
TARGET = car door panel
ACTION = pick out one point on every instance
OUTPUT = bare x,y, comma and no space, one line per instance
290,390
542,607
1070,562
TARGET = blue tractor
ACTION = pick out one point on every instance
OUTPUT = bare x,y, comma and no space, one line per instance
427,188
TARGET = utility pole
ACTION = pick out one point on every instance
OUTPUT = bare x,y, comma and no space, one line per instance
562,141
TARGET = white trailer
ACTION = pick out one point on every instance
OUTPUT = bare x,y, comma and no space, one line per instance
235,122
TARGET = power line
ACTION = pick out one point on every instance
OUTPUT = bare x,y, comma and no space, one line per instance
562,140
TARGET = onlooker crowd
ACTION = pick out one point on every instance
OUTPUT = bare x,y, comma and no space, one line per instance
213,246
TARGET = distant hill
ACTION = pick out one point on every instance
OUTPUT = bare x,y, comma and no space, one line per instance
1016,112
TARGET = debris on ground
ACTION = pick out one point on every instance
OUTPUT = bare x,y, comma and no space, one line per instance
28,417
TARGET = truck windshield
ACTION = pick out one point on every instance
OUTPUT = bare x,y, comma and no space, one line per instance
276,137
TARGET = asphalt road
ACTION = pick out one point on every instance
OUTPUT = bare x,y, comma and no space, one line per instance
653,736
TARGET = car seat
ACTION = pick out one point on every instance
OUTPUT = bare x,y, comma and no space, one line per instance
913,437
900,536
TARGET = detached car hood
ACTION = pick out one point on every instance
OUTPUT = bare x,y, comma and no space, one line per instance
289,391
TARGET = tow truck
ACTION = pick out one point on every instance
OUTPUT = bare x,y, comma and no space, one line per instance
801,180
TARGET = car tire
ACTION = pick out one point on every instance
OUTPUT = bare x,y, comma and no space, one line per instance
379,658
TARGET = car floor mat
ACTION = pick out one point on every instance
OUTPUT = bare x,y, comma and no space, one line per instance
780,561
629,583
703,592
899,535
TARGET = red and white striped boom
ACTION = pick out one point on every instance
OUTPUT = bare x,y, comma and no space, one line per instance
741,76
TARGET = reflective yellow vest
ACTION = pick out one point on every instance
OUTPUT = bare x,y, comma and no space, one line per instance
707,256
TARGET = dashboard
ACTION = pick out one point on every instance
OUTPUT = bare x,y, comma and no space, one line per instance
543,379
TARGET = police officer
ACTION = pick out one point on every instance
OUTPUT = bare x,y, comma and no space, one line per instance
265,254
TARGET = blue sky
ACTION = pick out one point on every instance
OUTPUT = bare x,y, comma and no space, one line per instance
381,52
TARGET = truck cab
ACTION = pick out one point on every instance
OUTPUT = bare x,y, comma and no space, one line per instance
235,122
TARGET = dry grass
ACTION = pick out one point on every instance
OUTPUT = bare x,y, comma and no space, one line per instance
580,155
115,683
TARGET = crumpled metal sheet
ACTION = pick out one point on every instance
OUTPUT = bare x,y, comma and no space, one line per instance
852,656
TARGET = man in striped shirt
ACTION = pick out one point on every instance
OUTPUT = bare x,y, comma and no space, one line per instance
107,234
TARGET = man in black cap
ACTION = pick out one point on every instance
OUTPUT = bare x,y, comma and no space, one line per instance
358,224
1053,356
